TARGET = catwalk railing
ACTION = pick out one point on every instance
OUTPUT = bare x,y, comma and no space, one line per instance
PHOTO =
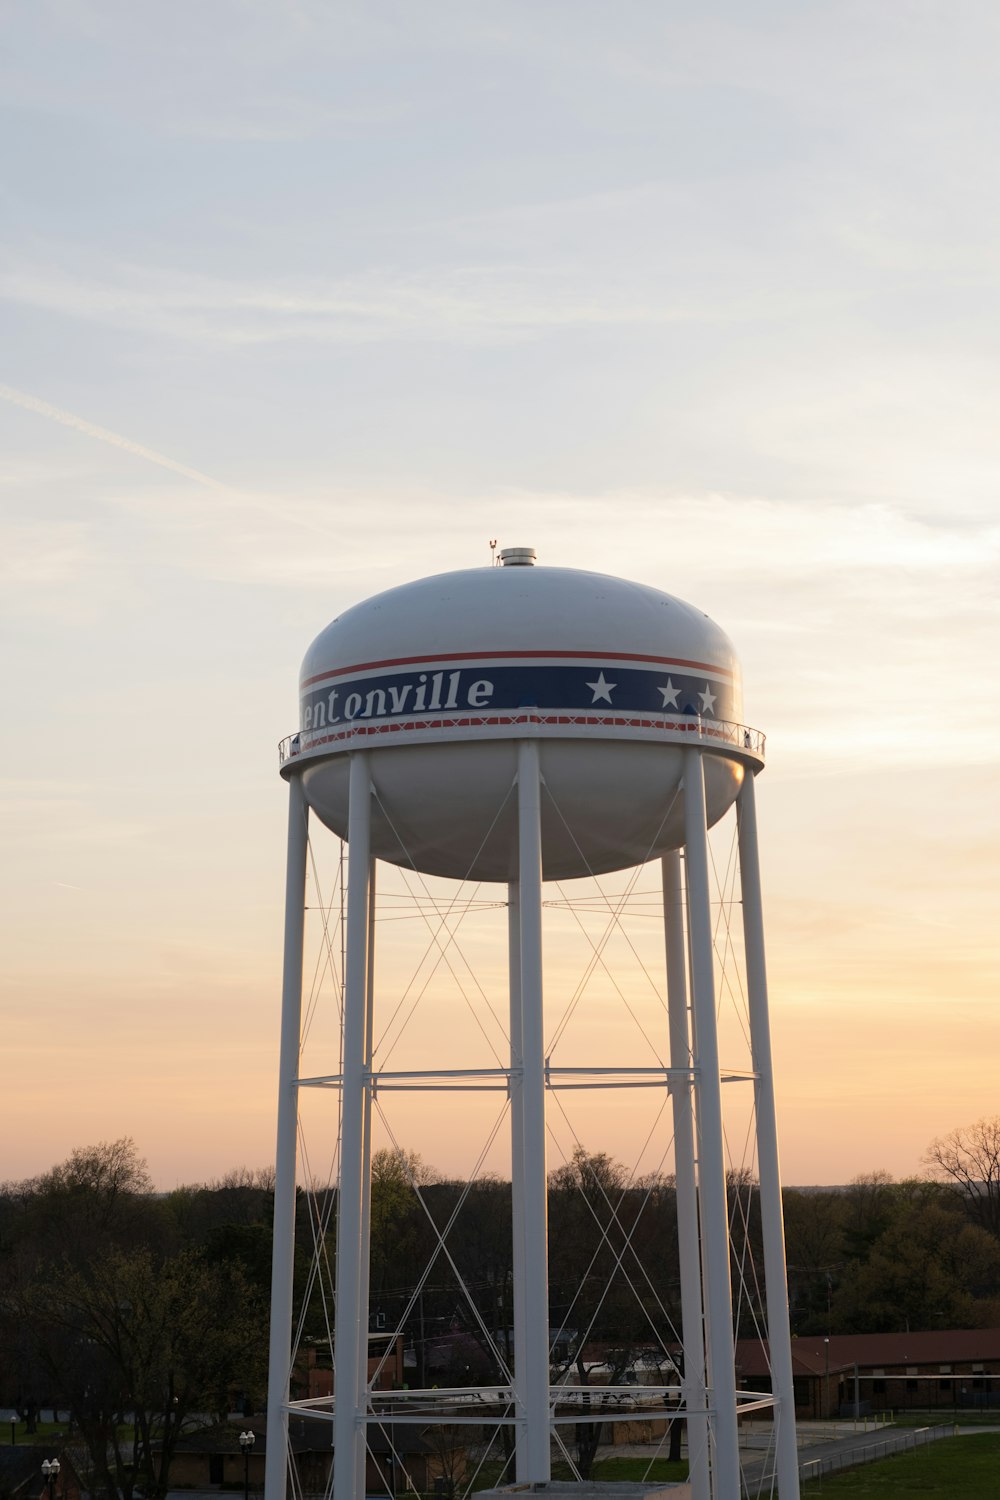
716,734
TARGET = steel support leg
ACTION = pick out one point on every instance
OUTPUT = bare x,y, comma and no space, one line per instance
365,1250
283,1254
536,1300
772,1222
517,1174
725,1458
693,1380
348,1429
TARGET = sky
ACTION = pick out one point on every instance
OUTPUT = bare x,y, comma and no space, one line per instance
299,301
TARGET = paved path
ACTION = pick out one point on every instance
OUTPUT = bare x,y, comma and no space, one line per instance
816,1442
847,1450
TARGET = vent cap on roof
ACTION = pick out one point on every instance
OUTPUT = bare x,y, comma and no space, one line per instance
518,557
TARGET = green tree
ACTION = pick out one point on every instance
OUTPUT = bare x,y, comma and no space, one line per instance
97,1201
160,1340
815,1254
929,1268
870,1203
397,1221
99,1195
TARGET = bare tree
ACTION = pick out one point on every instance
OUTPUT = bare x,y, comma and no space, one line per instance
448,1446
99,1193
970,1158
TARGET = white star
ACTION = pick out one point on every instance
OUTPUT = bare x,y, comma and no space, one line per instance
669,694
707,700
601,689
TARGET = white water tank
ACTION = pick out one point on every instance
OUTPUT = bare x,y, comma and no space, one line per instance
439,678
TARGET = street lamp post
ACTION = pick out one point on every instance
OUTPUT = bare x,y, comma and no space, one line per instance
826,1401
50,1471
676,1427
247,1440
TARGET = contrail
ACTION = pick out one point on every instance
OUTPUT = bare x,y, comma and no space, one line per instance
104,435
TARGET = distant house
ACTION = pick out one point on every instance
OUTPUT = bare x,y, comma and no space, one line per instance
946,1370
402,1454
213,1456
312,1373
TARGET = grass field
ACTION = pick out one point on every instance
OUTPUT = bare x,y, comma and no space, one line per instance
962,1468
43,1435
605,1469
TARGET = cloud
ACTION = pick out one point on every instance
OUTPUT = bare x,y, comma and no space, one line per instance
43,555
280,118
21,473
456,303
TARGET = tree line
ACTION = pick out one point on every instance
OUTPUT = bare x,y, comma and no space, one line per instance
140,1312
886,1256
132,1311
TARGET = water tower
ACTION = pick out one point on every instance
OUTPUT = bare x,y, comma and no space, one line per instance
520,724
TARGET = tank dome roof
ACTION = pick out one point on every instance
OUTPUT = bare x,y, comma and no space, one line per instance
519,608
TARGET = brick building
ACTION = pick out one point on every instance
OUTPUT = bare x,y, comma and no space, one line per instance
945,1370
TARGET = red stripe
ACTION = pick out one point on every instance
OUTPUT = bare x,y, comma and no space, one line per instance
598,656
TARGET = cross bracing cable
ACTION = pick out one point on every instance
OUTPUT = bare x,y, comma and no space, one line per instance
319,1223
597,955
597,960
326,962
567,1455
751,1285
727,950
435,941
436,947
619,1255
441,1235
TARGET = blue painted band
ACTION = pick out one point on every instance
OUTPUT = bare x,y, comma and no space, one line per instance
487,687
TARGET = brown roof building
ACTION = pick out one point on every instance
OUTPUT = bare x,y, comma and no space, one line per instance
849,1374
400,1458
